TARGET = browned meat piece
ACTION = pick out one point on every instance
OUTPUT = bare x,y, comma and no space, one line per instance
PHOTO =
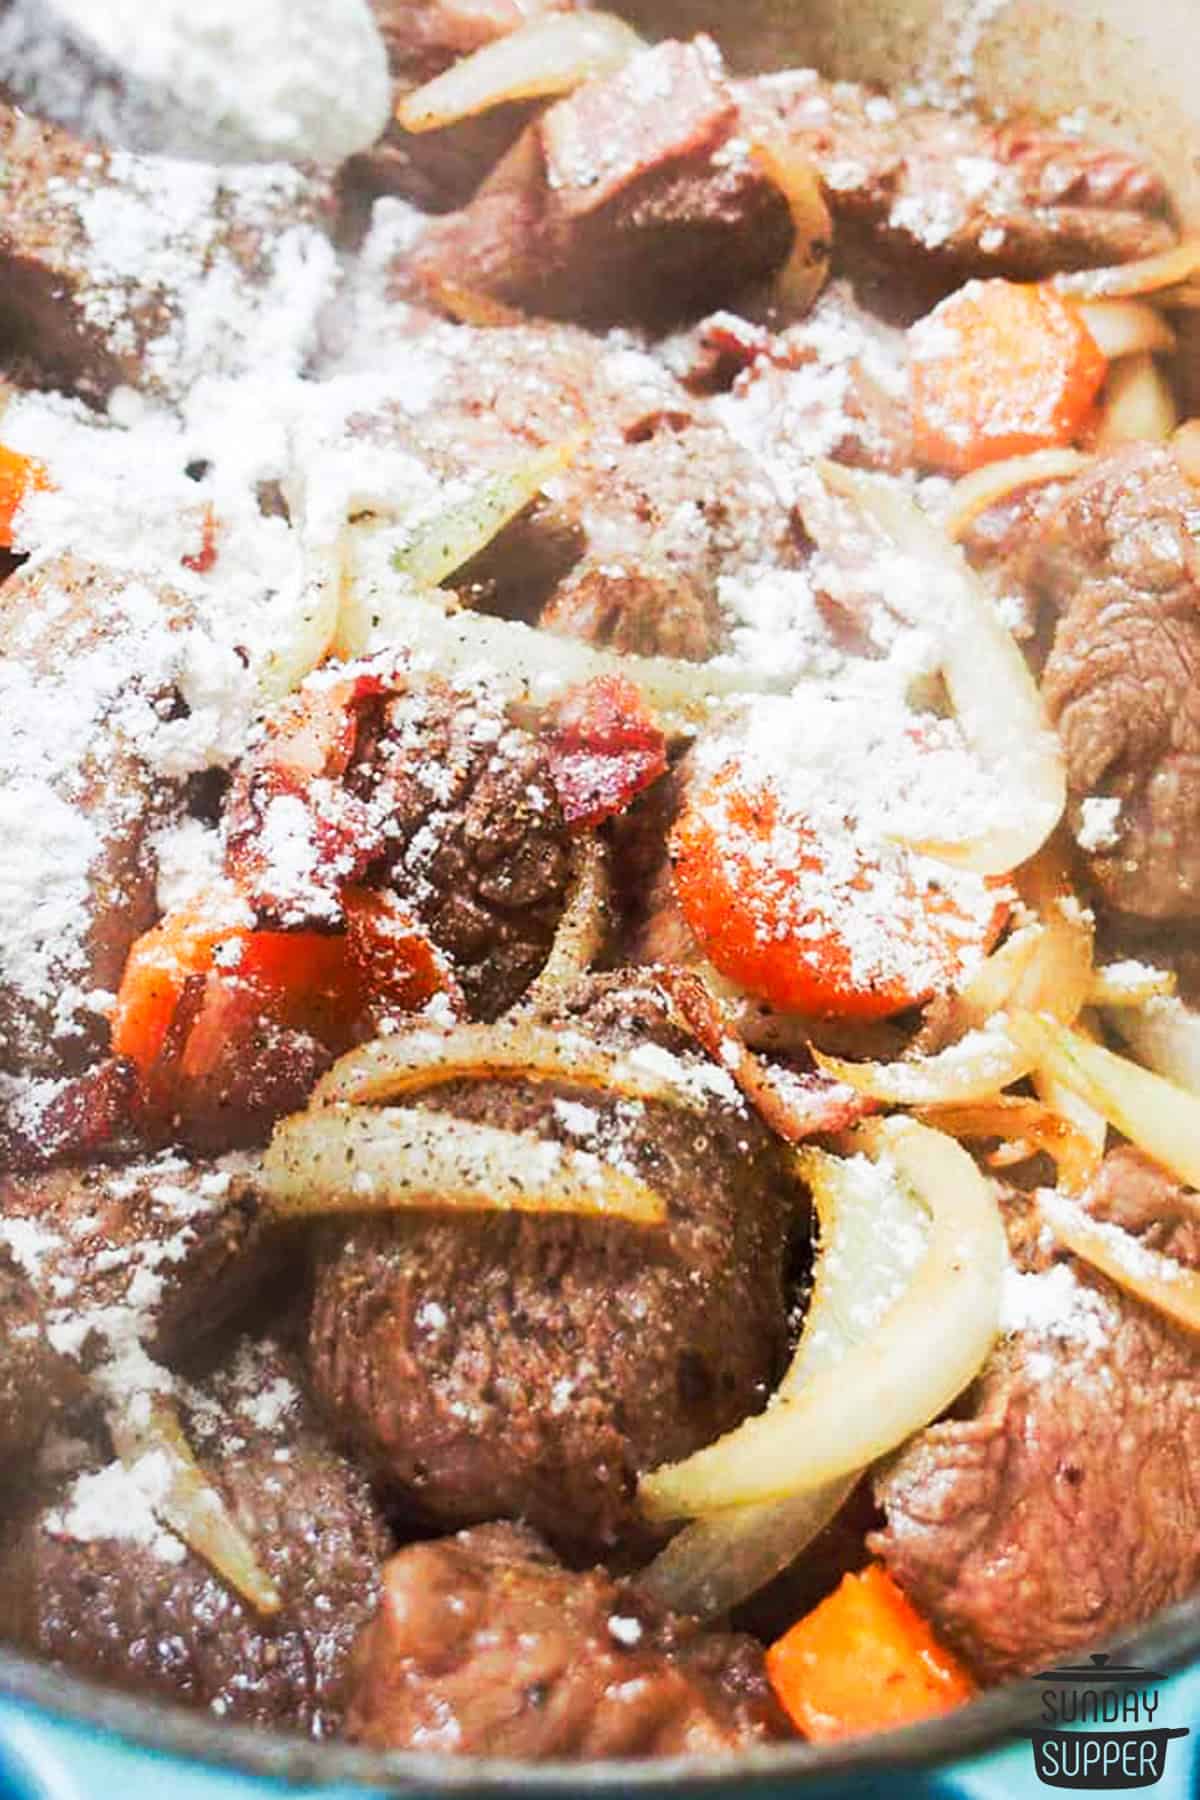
1063,1506
658,503
144,271
35,1381
485,1646
631,199
1118,560
532,1367
945,196
87,1580
440,169
834,385
419,788
92,651
45,1121
164,1251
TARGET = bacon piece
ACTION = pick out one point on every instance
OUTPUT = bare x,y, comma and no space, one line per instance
666,104
201,561
795,1104
605,746
399,964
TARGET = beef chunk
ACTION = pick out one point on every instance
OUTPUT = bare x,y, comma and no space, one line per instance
944,196
1063,1505
533,1367
659,501
85,646
166,1250
87,1581
36,1383
1118,560
631,199
484,1645
418,788
144,271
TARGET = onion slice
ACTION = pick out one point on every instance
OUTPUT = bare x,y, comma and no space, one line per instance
191,1507
1165,1034
1123,281
928,1347
1137,405
984,488
1153,1113
1126,327
1024,1127
412,1062
309,637
351,1159
442,543
796,285
550,55
1122,984
584,923
715,1563
519,662
1158,1281
992,691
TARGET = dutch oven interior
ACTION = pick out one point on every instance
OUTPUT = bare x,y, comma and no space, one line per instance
1132,64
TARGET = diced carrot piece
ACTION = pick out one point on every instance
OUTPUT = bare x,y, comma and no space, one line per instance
400,966
159,966
19,476
1000,369
812,926
864,1660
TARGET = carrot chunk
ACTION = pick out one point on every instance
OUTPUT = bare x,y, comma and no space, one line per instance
158,967
1000,369
19,477
864,1660
815,924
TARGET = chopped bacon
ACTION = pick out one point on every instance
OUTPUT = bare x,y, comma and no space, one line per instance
294,834
665,104
794,1104
72,1118
605,746
202,560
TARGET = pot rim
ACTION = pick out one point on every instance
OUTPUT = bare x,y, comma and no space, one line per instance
1171,1641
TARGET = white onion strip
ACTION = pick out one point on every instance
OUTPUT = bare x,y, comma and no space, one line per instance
984,488
550,55
992,691
441,543
1130,984
190,1505
412,1062
797,284
583,926
1125,327
1157,1281
1137,405
1123,281
928,1347
1165,1035
1153,1113
350,1159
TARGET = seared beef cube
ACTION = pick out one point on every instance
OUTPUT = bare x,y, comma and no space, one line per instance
485,1646
659,501
89,1580
36,1383
1061,1505
147,271
164,1252
531,1367
632,199
418,788
1117,560
932,195
94,649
